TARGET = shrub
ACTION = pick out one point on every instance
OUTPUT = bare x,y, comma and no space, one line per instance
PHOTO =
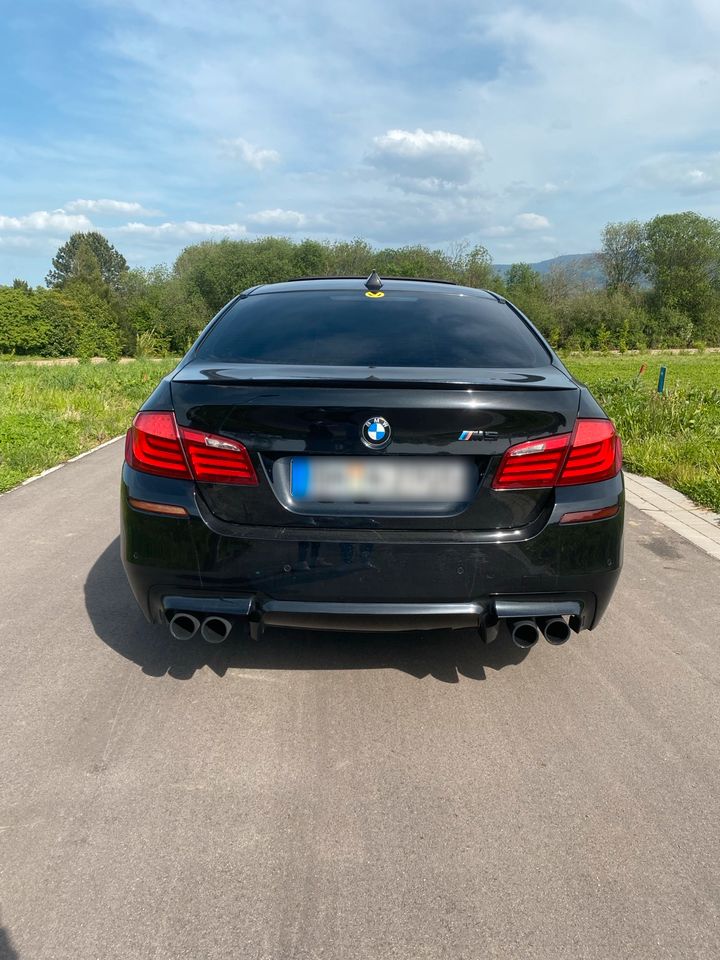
98,333
149,345
20,327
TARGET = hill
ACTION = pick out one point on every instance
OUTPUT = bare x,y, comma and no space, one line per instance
584,265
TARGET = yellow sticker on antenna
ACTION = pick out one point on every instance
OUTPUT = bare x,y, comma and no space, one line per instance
374,294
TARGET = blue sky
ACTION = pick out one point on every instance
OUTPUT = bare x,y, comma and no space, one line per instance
522,126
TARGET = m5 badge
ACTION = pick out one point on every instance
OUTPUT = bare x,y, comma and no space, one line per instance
479,435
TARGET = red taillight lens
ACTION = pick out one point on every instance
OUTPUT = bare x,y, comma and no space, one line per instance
153,446
592,453
535,463
156,445
595,454
217,459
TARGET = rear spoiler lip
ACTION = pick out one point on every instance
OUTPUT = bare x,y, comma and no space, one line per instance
241,374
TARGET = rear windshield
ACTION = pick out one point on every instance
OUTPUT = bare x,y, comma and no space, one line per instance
348,328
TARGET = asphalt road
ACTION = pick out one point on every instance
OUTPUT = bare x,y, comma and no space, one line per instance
348,796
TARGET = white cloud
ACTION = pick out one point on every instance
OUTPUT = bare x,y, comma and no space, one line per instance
183,229
589,113
531,221
287,219
42,221
429,159
523,222
256,157
123,207
583,87
681,172
394,220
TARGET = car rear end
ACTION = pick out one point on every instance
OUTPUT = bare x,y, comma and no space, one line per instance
331,456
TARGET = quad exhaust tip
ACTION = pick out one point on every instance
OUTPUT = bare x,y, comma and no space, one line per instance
524,633
183,626
215,629
555,630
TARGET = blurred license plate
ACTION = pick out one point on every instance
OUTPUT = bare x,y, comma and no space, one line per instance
365,479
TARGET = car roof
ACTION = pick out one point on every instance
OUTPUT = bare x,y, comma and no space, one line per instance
407,284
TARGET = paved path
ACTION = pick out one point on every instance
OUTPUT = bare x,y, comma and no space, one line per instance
673,509
348,797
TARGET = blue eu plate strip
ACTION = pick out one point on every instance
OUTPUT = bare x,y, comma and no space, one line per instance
299,476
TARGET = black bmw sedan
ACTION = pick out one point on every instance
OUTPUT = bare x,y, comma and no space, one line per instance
372,455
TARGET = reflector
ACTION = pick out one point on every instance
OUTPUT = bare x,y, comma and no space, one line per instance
169,509
584,516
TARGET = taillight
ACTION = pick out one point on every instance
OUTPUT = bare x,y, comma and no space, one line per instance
593,452
217,459
535,463
153,446
156,445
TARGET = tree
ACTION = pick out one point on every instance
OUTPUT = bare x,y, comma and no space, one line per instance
682,260
474,267
561,283
622,257
350,258
311,258
522,280
62,320
98,333
525,288
412,261
111,264
85,268
20,329
158,305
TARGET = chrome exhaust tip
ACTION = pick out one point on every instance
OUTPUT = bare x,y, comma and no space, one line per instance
524,633
183,626
556,631
215,629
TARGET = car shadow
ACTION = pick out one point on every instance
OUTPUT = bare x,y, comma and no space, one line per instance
445,655
7,952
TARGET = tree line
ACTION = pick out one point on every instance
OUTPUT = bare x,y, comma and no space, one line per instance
654,284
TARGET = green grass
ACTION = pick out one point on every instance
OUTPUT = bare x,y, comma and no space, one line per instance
51,413
700,370
674,437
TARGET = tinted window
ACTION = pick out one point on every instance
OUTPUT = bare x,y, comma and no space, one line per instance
347,328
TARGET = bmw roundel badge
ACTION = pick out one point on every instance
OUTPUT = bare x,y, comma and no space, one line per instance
376,432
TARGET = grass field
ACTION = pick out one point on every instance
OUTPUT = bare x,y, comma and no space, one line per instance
674,437
696,370
51,413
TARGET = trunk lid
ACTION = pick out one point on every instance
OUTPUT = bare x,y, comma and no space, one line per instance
281,412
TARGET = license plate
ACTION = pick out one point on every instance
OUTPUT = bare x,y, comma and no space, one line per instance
387,479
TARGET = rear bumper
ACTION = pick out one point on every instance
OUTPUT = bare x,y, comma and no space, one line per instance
375,617
369,579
